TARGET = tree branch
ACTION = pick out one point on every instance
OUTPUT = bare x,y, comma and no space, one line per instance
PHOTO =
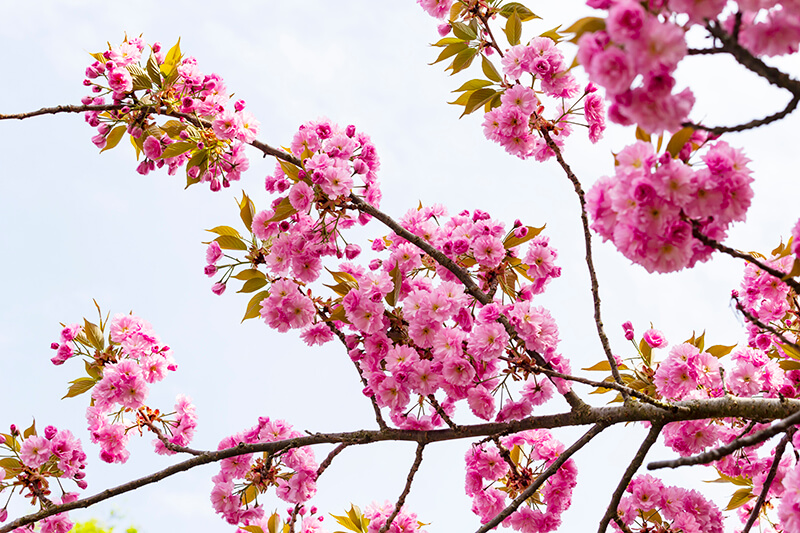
708,241
587,239
764,327
749,61
402,499
541,478
767,483
634,465
726,407
329,459
722,451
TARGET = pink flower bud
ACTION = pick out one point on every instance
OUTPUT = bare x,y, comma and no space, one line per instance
54,346
50,432
218,288
210,270
351,251
443,29
239,105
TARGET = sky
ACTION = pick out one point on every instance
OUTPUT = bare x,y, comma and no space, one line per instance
80,226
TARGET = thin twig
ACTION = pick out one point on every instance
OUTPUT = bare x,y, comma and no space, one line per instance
329,459
718,453
341,336
767,483
708,241
745,58
587,239
441,412
544,476
766,327
634,465
402,499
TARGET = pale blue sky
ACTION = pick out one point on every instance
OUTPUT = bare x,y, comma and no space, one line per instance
79,225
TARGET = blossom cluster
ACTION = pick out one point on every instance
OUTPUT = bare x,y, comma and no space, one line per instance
518,122
650,504
30,459
428,340
769,300
636,54
405,521
648,207
637,45
119,375
209,136
305,221
243,478
496,474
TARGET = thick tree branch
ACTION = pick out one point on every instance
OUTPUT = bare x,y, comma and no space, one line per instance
726,407
587,239
722,451
402,499
634,465
767,483
541,478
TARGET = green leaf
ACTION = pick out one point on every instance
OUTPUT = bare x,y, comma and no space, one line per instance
397,283
513,29
642,135
30,431
291,171
719,350
790,351
93,370
171,60
229,242
451,50
141,81
346,522
647,352
700,341
514,454
678,140
463,31
113,138
176,149
252,285
462,100
455,10
447,40
585,25
739,498
473,85
247,211
11,465
253,529
515,7
794,272
462,60
602,366
248,495
788,364
94,335
254,305
490,70
153,70
511,241
225,230
252,273
477,99
284,210
273,522
79,386
552,34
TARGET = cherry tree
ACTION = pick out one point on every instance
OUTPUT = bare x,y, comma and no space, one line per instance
441,310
